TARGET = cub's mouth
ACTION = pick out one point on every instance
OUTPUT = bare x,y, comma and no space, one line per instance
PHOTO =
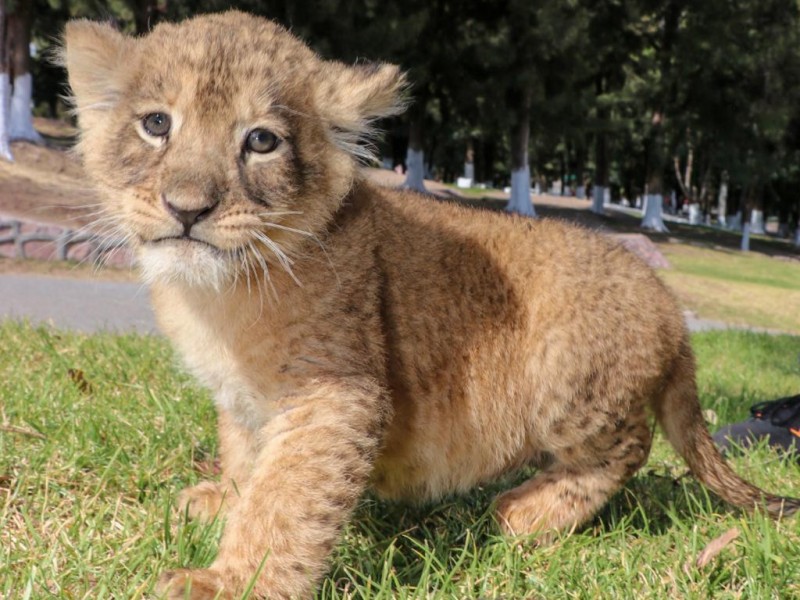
181,240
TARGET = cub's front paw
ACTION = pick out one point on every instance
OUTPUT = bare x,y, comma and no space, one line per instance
205,500
191,584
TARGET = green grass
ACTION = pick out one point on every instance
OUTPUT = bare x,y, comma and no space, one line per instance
736,266
90,464
735,287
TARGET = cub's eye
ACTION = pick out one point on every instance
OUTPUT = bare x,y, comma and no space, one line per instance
157,124
261,141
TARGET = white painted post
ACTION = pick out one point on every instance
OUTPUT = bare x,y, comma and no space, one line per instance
722,204
695,215
21,126
5,91
599,194
746,237
757,221
520,199
415,170
653,213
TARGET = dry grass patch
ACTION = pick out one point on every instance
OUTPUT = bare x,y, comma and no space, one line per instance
740,288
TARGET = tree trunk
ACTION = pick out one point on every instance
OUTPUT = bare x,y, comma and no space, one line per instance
722,201
145,15
656,159
757,221
746,237
5,89
469,161
19,41
703,197
755,208
415,156
653,213
520,200
783,221
485,163
601,189
750,201
601,195
654,193
685,180
580,164
685,184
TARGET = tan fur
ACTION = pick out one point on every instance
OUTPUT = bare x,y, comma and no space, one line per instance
358,337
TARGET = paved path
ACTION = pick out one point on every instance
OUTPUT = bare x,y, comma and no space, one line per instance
695,323
89,306
78,304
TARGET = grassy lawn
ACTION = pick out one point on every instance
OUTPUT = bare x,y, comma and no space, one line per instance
99,433
735,287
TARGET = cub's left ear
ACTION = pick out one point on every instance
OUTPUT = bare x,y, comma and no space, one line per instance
95,56
352,98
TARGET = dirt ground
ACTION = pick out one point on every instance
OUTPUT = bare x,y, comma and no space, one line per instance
45,183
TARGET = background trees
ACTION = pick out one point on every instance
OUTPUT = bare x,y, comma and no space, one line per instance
659,102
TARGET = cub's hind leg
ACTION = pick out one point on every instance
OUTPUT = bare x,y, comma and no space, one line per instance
238,450
584,475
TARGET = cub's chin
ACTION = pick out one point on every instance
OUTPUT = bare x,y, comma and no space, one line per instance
184,262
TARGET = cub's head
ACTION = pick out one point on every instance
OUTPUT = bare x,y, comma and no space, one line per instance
219,144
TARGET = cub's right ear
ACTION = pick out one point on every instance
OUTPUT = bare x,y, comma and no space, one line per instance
94,55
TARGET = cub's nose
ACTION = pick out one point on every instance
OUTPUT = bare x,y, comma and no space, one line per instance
188,217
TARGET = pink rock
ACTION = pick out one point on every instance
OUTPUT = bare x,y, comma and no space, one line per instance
644,248
79,252
8,250
40,228
39,250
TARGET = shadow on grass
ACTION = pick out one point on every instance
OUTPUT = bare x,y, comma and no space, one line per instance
651,503
405,541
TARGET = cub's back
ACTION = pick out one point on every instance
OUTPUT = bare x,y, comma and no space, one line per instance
490,268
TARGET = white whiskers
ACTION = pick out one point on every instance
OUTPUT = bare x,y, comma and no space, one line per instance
283,258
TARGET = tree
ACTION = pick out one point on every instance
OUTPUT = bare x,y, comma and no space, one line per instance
18,47
520,81
544,46
415,154
663,24
520,105
612,41
5,89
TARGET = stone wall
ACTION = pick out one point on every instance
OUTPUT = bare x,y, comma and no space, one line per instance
22,238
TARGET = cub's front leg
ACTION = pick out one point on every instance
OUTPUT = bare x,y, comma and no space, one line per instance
238,451
313,465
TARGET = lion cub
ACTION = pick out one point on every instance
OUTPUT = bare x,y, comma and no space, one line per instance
355,336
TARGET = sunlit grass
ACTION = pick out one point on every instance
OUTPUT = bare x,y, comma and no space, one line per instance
735,287
90,463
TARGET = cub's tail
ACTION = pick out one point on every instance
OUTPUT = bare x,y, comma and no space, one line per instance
678,412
